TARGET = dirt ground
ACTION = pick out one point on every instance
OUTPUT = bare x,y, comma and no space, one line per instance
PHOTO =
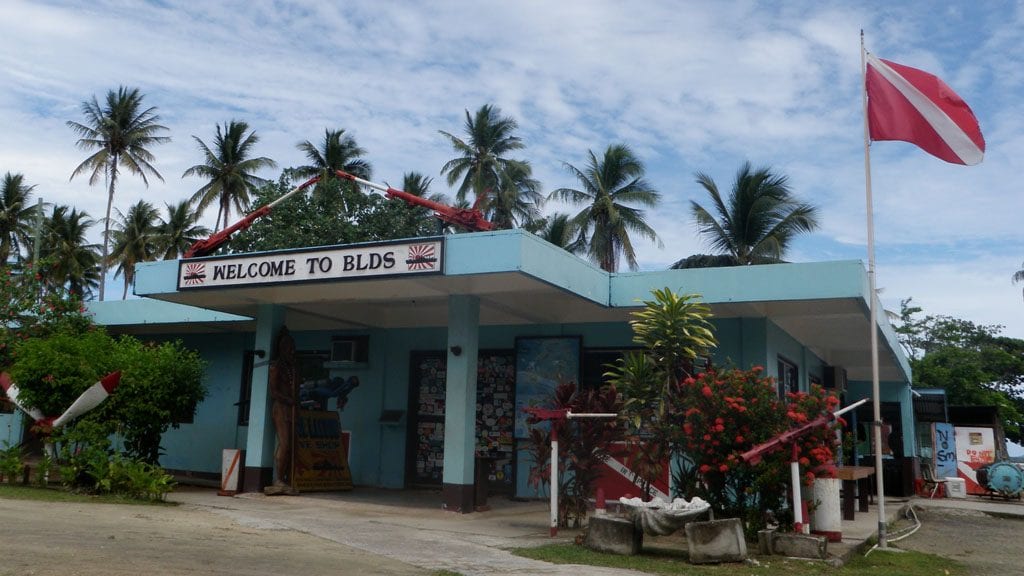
43,538
987,545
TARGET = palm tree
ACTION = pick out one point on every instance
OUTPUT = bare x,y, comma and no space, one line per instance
229,169
610,185
121,133
1018,276
338,151
135,240
481,160
17,216
558,229
72,261
756,223
517,199
179,230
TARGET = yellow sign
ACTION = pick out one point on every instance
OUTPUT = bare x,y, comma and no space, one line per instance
321,455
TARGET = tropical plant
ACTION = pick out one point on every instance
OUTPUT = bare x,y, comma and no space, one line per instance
69,260
338,151
179,230
120,132
135,240
229,169
31,309
11,464
705,261
674,331
482,161
517,199
719,415
586,441
759,219
558,229
17,216
611,185
160,383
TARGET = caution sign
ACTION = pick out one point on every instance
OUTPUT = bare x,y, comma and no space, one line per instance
321,454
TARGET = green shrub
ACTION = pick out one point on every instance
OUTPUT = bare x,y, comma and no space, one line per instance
11,465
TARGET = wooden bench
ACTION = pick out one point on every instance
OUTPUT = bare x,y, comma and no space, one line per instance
851,477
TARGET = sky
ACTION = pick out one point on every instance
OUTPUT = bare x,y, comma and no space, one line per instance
689,86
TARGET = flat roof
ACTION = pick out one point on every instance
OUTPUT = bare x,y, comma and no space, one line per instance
521,279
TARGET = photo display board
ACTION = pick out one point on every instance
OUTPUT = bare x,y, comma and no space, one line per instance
495,416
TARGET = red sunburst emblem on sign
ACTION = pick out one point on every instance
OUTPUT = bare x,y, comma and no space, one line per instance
421,257
194,274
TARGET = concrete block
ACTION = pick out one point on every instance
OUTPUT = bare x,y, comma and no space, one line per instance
716,541
764,541
799,545
613,534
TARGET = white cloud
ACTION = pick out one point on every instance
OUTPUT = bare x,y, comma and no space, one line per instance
698,86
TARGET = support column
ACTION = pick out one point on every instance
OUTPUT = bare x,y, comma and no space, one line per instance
259,446
460,402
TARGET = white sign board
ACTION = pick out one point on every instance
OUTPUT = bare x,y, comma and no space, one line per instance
975,445
360,261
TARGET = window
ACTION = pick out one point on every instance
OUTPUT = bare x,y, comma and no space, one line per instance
6,406
789,377
245,390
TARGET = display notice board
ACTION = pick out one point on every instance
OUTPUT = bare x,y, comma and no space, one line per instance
321,454
495,416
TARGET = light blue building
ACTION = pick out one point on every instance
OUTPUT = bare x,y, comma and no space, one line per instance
419,322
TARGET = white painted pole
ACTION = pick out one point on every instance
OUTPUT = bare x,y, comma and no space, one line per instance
798,509
554,481
872,297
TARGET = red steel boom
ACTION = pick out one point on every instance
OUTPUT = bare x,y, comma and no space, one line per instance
468,218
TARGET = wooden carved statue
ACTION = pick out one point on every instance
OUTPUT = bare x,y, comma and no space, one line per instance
283,383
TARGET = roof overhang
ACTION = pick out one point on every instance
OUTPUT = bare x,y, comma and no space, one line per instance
520,279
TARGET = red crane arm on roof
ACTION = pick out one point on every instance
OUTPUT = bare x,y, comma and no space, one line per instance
469,218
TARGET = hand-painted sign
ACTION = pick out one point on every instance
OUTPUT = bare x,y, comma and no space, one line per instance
321,458
945,451
423,256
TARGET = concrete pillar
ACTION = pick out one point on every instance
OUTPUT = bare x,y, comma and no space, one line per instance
460,402
259,447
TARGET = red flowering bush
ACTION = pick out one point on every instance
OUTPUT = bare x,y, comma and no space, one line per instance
720,415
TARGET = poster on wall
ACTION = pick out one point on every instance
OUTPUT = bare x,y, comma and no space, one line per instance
321,452
541,365
495,407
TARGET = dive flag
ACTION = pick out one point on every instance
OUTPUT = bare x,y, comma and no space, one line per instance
914,106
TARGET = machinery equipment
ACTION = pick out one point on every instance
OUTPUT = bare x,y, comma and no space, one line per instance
1003,478
469,218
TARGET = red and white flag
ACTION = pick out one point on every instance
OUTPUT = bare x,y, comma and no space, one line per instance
914,106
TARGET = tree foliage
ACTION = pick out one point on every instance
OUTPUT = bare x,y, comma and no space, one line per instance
229,169
973,363
332,213
120,134
612,191
757,221
54,352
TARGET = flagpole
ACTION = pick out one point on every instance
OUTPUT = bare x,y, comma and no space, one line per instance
876,403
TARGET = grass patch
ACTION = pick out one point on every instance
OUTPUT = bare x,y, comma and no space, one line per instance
446,573
20,492
666,561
